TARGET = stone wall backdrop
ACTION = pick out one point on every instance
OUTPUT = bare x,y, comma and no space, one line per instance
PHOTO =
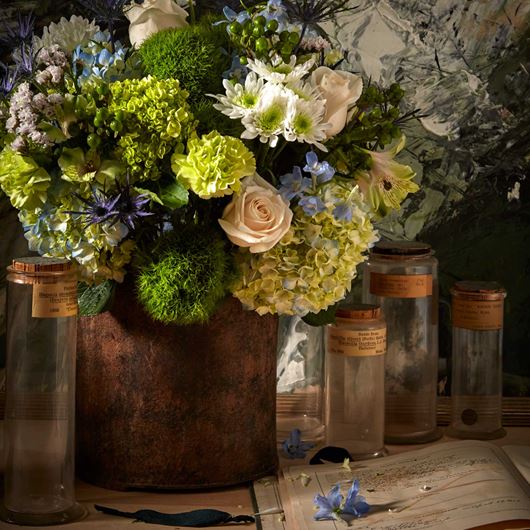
466,65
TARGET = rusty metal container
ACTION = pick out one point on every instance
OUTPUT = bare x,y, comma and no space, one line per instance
175,407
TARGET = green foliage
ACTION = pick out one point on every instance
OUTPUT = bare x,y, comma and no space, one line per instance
94,299
211,119
186,276
193,55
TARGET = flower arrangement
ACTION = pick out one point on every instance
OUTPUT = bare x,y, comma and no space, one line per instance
207,153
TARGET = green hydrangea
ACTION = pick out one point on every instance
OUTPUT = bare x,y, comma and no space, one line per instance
313,265
146,118
23,180
214,165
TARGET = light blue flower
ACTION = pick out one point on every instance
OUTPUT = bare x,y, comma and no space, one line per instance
294,446
323,171
330,506
294,184
237,72
312,205
232,16
342,212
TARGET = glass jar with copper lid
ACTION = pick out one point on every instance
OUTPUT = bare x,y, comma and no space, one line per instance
401,277
355,379
40,393
477,311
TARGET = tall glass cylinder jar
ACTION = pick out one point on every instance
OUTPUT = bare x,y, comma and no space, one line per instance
300,380
40,393
476,389
355,381
401,277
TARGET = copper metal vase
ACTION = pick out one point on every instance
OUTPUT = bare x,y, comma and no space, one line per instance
175,407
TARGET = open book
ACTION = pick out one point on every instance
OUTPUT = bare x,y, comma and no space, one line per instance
453,486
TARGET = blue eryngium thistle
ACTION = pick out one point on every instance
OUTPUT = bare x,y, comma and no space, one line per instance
22,33
26,60
330,506
99,209
294,446
313,12
8,80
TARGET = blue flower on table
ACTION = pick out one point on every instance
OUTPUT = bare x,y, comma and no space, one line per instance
331,508
323,171
294,184
294,446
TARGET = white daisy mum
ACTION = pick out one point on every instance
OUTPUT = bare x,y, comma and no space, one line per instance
268,120
67,34
279,71
305,122
304,90
240,100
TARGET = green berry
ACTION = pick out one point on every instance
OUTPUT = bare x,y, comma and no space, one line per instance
260,21
235,28
272,25
98,121
115,126
393,113
294,37
262,45
243,60
284,36
258,31
286,50
93,140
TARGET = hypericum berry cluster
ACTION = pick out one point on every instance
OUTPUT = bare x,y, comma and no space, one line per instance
260,38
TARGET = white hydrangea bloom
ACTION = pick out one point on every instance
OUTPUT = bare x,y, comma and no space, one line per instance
67,34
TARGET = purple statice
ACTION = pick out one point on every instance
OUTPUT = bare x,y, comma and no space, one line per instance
54,61
22,33
294,446
311,205
332,508
322,171
294,184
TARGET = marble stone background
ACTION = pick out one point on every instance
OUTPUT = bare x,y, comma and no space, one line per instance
465,64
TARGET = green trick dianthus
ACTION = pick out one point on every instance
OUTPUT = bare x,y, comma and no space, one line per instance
186,277
192,54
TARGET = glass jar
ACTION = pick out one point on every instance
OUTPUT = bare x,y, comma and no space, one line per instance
476,389
355,381
300,379
401,277
40,393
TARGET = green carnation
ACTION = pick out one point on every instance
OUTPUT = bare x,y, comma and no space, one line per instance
186,276
23,180
214,165
312,267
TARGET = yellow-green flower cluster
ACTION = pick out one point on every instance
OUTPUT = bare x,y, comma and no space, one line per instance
23,180
313,265
214,165
150,116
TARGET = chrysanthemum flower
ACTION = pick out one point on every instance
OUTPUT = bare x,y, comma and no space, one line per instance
305,122
280,72
240,100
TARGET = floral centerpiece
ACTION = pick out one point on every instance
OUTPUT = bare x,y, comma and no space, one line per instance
208,154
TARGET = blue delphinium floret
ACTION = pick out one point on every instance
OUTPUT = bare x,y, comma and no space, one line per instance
312,205
323,171
332,508
294,184
342,212
294,446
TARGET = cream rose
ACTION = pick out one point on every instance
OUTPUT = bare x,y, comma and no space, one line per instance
152,16
258,216
340,90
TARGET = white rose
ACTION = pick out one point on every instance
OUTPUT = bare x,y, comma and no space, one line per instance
340,90
152,16
258,216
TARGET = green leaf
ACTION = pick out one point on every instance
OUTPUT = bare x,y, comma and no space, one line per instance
174,196
326,316
151,194
94,299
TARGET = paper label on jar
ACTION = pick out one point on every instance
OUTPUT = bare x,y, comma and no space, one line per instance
356,343
53,300
477,314
401,285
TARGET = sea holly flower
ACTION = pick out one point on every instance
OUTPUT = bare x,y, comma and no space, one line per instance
305,122
8,80
240,100
294,184
332,508
312,205
323,171
278,71
268,119
388,182
294,446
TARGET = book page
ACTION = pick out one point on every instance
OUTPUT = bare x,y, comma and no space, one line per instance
453,486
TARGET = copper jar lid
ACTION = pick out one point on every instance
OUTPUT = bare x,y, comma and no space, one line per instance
401,250
359,312
477,290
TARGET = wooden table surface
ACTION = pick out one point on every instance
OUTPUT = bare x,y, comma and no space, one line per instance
233,500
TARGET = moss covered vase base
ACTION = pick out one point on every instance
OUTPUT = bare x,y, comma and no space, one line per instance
175,407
